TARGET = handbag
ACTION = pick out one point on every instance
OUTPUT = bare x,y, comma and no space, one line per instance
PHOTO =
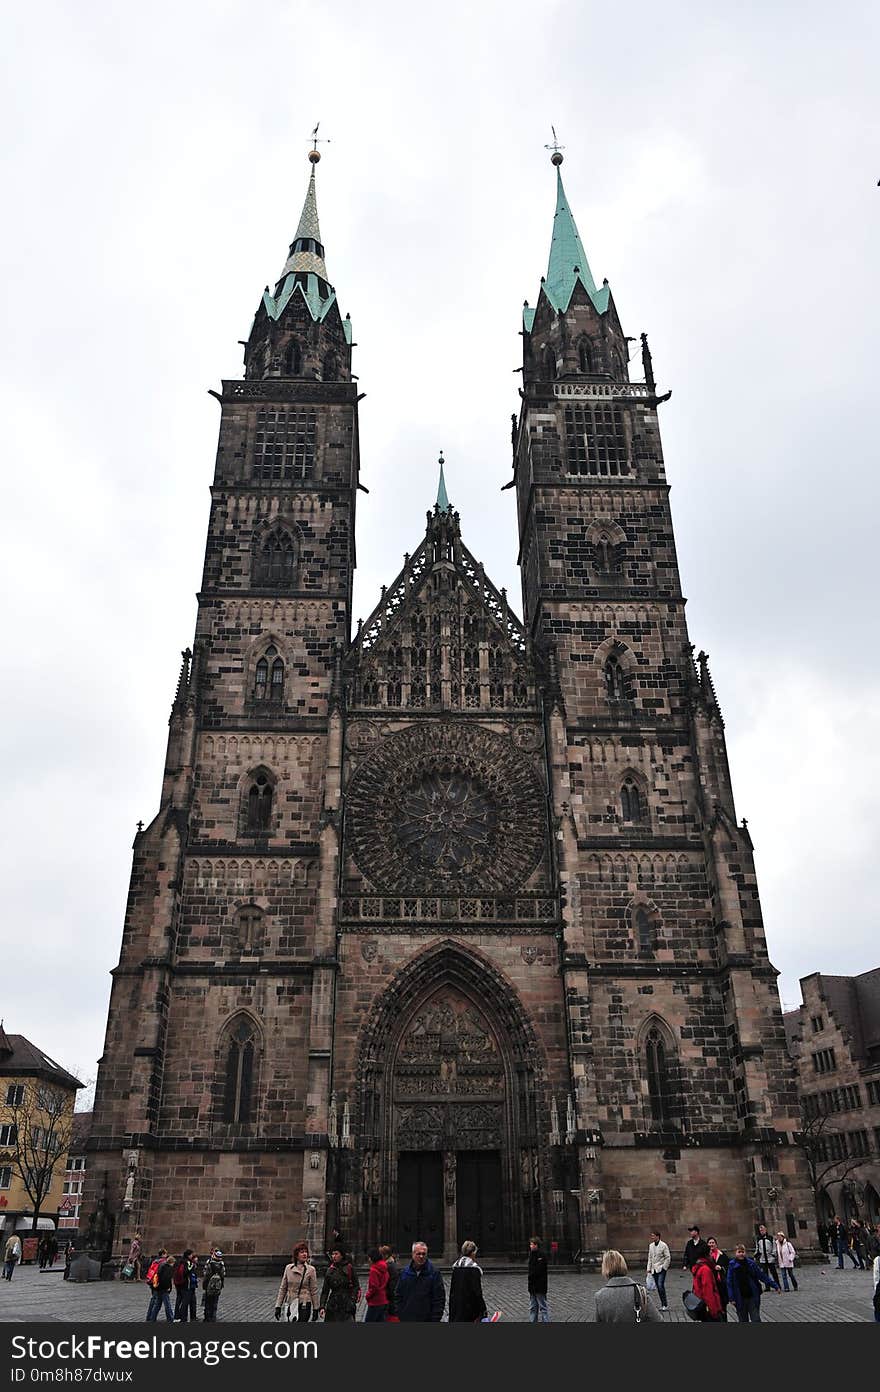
127,1271
640,1297
650,1284
695,1306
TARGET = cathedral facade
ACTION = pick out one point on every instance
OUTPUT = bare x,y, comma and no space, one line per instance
445,927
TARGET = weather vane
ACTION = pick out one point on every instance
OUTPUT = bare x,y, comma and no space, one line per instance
556,157
315,153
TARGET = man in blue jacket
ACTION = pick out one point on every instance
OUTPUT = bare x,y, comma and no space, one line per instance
420,1296
744,1281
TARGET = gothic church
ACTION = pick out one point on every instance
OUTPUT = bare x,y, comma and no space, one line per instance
445,928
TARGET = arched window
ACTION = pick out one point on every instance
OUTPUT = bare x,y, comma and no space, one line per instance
250,927
615,683
330,370
644,929
585,357
520,693
603,552
630,801
549,365
658,1073
395,692
261,679
277,683
275,563
371,692
238,1091
294,360
269,676
259,803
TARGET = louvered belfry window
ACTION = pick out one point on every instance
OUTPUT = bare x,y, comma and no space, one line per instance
595,440
284,445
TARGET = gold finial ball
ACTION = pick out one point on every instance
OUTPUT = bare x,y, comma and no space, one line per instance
314,156
556,157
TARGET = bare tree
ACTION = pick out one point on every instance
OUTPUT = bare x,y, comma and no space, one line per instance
813,1140
43,1121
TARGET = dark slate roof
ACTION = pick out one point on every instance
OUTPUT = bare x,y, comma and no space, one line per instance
82,1125
791,1020
26,1059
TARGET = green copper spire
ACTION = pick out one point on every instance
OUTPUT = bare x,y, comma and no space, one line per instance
442,495
304,270
568,262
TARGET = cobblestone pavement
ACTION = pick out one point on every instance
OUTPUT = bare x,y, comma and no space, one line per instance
825,1295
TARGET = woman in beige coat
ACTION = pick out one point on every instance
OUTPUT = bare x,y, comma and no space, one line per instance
298,1292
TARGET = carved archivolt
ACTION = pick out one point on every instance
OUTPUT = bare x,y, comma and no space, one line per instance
446,806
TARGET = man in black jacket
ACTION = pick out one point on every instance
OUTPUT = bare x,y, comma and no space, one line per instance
690,1250
538,1311
421,1295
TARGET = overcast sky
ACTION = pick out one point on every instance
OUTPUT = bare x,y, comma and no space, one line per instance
722,164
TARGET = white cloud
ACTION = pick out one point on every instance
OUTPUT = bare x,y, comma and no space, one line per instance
722,167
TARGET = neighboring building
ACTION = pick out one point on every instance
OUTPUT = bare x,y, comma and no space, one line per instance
444,928
834,1039
75,1173
35,1092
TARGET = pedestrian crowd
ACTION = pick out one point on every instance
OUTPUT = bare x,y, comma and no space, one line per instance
719,1281
416,1291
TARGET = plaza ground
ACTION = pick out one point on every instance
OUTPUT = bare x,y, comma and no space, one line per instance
826,1295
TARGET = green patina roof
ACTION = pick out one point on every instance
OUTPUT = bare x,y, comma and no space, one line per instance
567,264
304,271
442,495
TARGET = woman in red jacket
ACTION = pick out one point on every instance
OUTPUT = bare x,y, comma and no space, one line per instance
705,1285
377,1289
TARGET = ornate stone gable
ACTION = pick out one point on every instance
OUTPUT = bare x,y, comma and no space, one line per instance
442,636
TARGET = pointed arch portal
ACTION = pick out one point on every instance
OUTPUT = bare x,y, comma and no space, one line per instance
450,1106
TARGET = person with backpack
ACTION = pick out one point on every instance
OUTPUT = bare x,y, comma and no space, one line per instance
537,1284
160,1279
341,1290
744,1280
213,1281
11,1256
621,1301
298,1292
185,1304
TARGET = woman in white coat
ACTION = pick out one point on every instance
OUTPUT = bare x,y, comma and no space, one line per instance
785,1258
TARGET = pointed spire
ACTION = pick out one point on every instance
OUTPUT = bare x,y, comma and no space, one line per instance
442,495
307,251
567,263
305,270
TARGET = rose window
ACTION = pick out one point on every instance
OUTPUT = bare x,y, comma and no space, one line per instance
445,808
447,821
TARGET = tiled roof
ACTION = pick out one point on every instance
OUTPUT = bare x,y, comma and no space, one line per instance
26,1059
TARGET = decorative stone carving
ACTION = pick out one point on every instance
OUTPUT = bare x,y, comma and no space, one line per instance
420,1128
446,806
369,949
